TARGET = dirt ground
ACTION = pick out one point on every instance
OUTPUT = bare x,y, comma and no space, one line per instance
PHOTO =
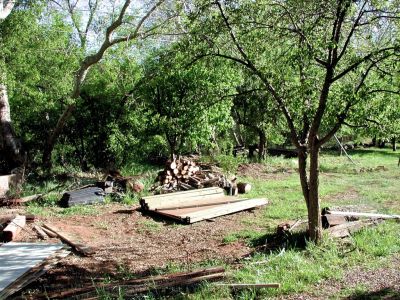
125,240
128,242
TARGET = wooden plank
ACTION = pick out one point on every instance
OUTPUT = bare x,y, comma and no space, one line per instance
40,232
362,214
49,232
207,202
174,277
181,199
249,285
210,190
14,228
225,209
85,250
177,202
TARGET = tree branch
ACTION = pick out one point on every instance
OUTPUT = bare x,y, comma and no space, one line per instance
360,61
248,63
352,30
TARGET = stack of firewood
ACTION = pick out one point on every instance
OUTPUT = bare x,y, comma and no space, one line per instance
183,174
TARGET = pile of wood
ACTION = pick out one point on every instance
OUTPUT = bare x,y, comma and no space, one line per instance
182,174
341,224
197,205
133,287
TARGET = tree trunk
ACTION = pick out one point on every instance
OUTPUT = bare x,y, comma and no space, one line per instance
261,144
11,146
394,148
373,143
51,140
314,218
303,175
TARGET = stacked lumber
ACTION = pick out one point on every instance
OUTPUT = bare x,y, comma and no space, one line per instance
182,174
197,205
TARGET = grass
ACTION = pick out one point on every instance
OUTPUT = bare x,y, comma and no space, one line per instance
300,265
297,265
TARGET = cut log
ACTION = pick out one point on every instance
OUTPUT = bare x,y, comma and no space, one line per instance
84,250
345,230
244,187
40,232
332,220
12,230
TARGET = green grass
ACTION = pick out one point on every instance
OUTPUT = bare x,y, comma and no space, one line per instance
300,265
297,265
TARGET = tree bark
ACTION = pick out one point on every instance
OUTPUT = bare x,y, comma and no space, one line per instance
314,219
394,148
5,8
11,146
303,175
261,144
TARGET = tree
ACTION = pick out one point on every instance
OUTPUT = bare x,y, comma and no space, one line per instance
188,105
36,52
122,28
306,55
254,109
6,6
8,141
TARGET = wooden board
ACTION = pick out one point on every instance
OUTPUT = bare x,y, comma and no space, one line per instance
186,198
196,214
18,258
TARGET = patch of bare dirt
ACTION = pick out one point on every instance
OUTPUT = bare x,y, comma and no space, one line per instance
350,194
128,241
261,171
381,283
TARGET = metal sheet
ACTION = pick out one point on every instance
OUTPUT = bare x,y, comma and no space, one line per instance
18,258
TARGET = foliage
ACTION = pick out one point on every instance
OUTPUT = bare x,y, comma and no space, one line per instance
187,104
35,59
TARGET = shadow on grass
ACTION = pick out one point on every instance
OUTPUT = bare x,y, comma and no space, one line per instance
275,242
386,293
366,152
